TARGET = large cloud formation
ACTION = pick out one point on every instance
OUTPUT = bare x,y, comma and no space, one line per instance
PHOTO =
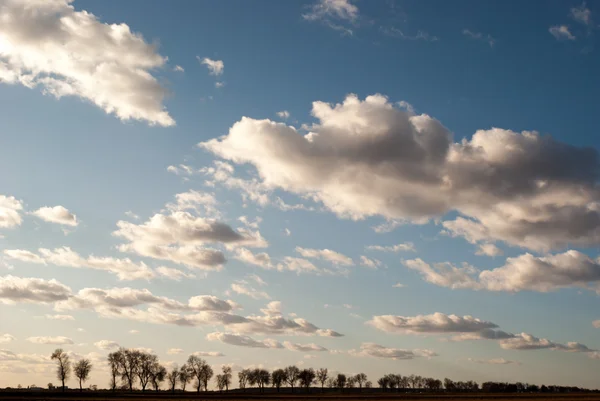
10,211
467,328
571,269
373,158
48,44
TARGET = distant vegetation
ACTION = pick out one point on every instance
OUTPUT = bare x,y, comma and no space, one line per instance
132,369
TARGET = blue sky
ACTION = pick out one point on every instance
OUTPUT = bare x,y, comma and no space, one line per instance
462,133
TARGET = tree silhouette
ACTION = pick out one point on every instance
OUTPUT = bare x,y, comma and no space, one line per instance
147,365
196,367
341,381
226,377
158,375
173,377
185,375
278,378
243,378
129,360
264,378
82,371
306,377
63,370
360,378
291,375
113,365
322,375
220,382
206,374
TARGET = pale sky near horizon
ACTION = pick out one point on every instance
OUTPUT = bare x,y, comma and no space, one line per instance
381,186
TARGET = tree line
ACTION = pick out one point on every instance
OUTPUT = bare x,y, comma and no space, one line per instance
129,368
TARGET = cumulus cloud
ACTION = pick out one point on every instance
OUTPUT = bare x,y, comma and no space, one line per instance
181,236
437,323
57,214
284,114
6,338
178,68
59,317
242,287
325,254
60,340
215,67
31,290
242,340
479,37
173,274
370,263
72,53
582,14
174,351
208,353
571,269
489,250
124,269
371,158
379,351
106,344
404,247
524,341
303,347
10,207
494,361
336,14
561,32
257,259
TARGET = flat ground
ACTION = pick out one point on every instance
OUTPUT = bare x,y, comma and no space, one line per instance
104,396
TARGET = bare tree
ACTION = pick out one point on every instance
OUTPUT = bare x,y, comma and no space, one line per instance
264,378
173,377
63,370
129,360
360,378
368,384
147,364
341,381
196,367
291,374
206,374
227,377
158,375
278,377
322,375
351,382
113,364
331,382
82,371
243,378
220,382
185,375
306,377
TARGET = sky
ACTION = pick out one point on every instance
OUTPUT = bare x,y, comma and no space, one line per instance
368,186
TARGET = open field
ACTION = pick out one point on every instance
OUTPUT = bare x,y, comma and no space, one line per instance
100,396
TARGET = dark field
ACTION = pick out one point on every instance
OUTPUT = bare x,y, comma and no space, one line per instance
101,396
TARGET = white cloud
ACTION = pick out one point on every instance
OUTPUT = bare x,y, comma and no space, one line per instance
57,214
489,250
242,287
287,232
174,351
284,114
81,329
399,285
242,340
71,53
178,68
134,332
124,269
561,32
480,36
31,290
379,351
371,158
59,317
437,323
173,274
370,263
60,340
208,353
325,254
582,14
219,84
494,361
106,344
303,347
339,9
571,269
215,67
6,338
404,247
10,207
596,324
298,265
259,259
397,33
273,309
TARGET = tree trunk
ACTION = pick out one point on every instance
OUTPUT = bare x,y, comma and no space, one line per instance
63,385
80,388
